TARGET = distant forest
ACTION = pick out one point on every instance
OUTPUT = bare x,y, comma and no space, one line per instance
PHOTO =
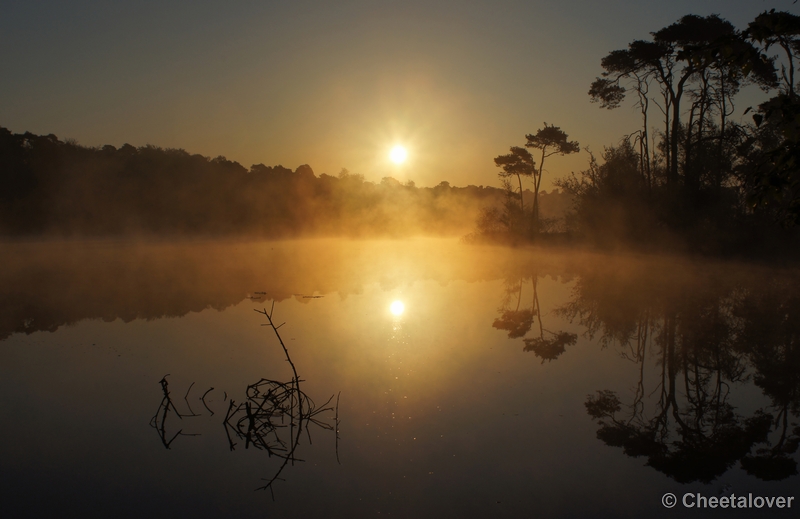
50,187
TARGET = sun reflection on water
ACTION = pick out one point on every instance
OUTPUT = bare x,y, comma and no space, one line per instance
397,308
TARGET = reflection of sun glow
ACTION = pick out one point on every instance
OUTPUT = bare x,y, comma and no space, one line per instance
397,308
398,154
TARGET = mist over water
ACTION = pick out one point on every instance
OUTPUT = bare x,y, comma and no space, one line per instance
188,335
512,381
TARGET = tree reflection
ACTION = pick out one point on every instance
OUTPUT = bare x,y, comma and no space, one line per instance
518,323
550,348
697,338
769,335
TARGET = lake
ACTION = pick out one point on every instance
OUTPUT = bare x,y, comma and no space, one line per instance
412,378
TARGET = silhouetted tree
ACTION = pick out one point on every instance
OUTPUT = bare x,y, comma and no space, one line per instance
550,140
613,202
783,29
687,51
771,155
706,181
518,163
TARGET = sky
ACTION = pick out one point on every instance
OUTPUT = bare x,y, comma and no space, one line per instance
331,84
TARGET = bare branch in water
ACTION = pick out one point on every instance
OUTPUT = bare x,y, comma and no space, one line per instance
269,409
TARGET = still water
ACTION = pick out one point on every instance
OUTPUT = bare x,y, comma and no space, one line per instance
433,379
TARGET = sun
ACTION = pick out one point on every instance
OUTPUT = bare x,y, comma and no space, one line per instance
397,308
398,155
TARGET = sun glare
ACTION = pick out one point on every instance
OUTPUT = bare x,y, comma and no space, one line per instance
397,308
398,155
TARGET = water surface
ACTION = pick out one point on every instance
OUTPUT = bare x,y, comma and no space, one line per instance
514,383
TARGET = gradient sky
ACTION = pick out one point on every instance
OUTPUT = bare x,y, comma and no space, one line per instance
330,84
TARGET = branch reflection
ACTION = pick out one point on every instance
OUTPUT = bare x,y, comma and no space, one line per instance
272,417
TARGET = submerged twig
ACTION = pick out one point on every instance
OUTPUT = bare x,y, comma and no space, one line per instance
261,420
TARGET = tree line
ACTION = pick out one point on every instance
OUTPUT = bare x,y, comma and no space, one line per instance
50,187
690,175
